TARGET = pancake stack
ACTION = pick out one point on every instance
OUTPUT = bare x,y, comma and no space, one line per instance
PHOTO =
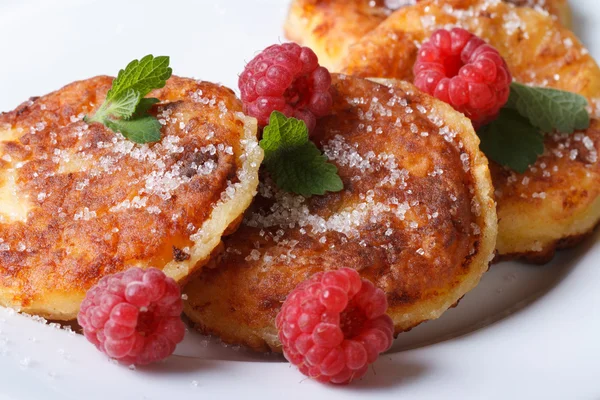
421,215
283,240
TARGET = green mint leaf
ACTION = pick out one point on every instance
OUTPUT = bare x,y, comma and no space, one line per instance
283,134
144,107
121,107
142,76
305,171
294,162
125,109
550,109
512,141
141,130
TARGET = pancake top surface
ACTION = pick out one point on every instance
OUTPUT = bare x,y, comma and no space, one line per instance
415,216
536,47
79,202
406,191
330,27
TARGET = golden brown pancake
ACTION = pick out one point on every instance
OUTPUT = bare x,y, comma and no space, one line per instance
558,199
330,27
78,202
416,217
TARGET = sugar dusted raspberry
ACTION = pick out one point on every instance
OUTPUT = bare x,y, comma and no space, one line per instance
286,78
134,316
462,70
333,325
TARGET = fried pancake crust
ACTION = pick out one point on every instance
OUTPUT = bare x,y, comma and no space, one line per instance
330,27
416,217
80,202
559,196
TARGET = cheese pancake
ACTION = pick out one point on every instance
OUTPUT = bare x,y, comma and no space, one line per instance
416,217
558,199
330,27
79,202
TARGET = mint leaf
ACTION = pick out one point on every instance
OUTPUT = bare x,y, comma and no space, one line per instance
144,106
550,109
283,134
141,130
515,139
512,141
294,162
305,171
122,107
142,76
125,109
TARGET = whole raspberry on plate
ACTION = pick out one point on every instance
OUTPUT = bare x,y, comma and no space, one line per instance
134,316
286,78
460,69
333,325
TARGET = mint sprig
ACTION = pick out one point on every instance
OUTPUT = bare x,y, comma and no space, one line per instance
550,109
512,141
125,109
139,130
293,161
516,138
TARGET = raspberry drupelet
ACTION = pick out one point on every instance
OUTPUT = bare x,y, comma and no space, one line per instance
460,69
333,326
134,316
286,78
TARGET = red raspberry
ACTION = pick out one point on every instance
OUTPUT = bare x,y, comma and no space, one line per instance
134,316
461,69
286,78
333,325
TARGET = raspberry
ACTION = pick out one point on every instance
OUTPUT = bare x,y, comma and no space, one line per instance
286,78
333,325
460,69
134,316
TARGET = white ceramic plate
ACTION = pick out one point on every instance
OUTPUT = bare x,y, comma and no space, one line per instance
525,332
